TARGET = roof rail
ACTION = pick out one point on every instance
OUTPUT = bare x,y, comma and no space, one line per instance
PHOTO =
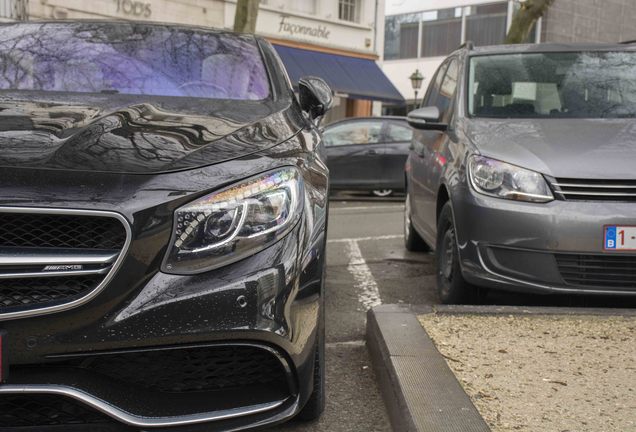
628,42
469,45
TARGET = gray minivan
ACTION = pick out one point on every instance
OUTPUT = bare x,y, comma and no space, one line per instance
521,174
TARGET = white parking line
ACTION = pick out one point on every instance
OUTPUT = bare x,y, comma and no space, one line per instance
357,239
389,207
346,344
368,293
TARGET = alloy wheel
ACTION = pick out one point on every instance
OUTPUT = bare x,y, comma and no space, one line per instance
447,255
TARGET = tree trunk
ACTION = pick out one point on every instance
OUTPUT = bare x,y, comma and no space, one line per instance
528,14
245,16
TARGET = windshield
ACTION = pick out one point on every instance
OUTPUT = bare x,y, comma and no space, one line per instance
569,84
133,59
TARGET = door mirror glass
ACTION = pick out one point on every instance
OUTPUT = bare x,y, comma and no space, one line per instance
315,96
426,118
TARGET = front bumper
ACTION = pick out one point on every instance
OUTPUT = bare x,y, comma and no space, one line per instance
556,247
255,321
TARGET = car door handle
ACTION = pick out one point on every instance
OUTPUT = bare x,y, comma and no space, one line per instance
372,152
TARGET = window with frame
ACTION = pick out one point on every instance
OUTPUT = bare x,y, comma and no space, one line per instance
441,32
400,36
434,88
348,10
447,90
486,24
398,132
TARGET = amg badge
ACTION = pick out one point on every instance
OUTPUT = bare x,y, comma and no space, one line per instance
67,267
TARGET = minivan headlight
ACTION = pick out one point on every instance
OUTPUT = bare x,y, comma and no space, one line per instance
503,180
234,222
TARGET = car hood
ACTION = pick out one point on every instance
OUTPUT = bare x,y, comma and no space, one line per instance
562,148
122,134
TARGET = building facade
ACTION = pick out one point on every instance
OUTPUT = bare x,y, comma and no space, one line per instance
590,21
339,40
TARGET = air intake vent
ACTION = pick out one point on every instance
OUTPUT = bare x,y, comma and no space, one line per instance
599,271
40,410
183,370
60,231
49,258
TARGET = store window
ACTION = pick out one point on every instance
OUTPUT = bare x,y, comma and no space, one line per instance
441,32
486,24
348,10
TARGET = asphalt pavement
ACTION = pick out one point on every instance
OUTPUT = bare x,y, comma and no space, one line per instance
367,265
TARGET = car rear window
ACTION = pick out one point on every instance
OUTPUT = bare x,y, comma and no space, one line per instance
133,59
561,84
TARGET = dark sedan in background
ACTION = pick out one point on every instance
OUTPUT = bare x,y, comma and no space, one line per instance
163,206
368,154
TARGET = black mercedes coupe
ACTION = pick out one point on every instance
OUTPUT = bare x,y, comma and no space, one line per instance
163,213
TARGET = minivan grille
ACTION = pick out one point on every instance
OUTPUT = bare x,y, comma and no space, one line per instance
601,271
594,190
48,258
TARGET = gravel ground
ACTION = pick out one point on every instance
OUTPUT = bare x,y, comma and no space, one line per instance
543,373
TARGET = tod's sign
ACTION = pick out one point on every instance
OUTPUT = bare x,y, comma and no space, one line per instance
134,8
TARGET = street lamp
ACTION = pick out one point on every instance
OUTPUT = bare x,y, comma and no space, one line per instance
416,82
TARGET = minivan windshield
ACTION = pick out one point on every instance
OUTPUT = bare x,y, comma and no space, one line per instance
560,84
134,59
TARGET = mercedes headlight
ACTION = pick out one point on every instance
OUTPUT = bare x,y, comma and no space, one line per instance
234,222
502,180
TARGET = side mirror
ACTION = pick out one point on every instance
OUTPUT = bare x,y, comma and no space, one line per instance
426,118
315,96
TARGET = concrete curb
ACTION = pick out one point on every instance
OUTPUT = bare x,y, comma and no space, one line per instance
419,389
521,310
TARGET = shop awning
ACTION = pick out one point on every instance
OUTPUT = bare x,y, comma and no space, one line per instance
357,77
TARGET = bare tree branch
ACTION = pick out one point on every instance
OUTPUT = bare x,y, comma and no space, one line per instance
527,15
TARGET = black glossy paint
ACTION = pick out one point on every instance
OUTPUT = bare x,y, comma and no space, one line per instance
143,157
367,165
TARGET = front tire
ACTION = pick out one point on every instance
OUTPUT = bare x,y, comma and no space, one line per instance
315,406
451,285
